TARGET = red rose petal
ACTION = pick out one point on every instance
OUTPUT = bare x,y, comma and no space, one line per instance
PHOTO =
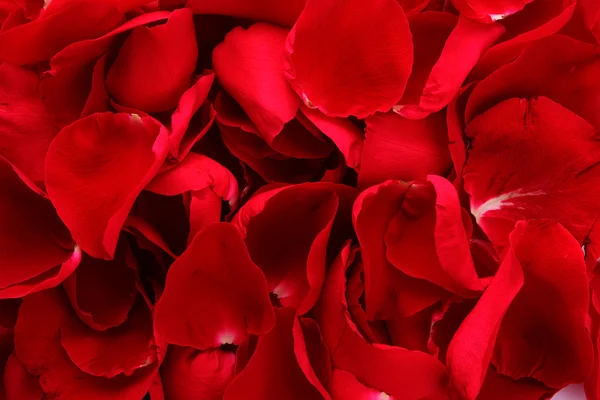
278,12
298,240
155,65
312,354
190,373
42,38
398,148
465,45
498,387
18,383
249,65
350,58
275,353
388,291
396,371
215,269
189,104
543,335
33,239
556,179
81,166
471,348
427,239
38,347
102,292
98,99
489,10
26,130
344,385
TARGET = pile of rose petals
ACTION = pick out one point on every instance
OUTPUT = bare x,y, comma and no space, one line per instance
299,199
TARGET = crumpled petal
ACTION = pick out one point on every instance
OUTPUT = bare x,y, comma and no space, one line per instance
37,250
275,353
155,65
215,269
189,373
279,12
82,164
26,130
351,57
399,148
249,65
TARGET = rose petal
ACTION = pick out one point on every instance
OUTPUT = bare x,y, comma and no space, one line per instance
312,354
398,148
350,58
188,372
274,351
18,383
81,166
249,65
489,10
215,269
282,13
155,65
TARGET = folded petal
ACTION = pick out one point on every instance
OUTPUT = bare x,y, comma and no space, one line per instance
275,353
350,58
26,130
466,43
249,65
393,370
543,334
42,38
312,354
399,148
187,372
281,13
81,166
532,158
288,233
18,383
155,65
35,243
489,10
214,294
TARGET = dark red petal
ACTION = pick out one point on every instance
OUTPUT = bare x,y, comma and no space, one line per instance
98,99
38,347
275,353
189,104
388,291
456,127
489,10
498,387
82,164
312,354
465,45
532,159
249,65
214,294
278,12
291,247
26,130
39,40
471,348
18,383
344,385
543,335
350,58
155,65
190,373
396,371
34,241
398,148
102,292
120,350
